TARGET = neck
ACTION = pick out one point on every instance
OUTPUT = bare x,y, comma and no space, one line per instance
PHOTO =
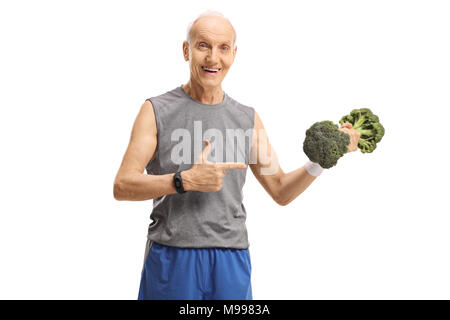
206,95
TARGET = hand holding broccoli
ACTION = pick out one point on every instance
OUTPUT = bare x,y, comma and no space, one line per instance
354,136
325,143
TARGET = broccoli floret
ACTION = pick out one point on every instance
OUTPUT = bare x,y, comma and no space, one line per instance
368,124
325,143
366,146
379,131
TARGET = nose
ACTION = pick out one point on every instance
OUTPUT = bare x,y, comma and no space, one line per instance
212,57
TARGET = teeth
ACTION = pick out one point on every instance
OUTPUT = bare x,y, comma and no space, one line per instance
207,69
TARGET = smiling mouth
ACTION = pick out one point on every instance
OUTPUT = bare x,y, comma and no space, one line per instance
211,70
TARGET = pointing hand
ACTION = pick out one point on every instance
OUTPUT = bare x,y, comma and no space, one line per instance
207,176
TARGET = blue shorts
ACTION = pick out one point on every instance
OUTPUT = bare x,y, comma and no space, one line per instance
173,273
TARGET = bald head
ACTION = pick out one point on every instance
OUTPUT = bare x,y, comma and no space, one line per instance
214,23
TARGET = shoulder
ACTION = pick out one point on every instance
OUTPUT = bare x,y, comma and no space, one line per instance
258,123
146,118
246,110
165,98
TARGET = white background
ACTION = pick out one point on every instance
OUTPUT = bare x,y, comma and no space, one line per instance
73,75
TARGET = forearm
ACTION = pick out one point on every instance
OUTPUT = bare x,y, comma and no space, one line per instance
292,184
139,187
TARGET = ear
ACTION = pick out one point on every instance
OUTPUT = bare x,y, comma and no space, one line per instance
234,54
186,50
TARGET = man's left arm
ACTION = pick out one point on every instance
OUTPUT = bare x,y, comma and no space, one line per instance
282,187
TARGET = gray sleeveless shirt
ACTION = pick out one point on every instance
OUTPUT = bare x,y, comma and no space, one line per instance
200,219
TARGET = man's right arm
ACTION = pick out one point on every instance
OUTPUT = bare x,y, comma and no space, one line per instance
131,183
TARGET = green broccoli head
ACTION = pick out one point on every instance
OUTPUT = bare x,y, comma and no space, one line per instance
368,124
366,146
378,130
325,143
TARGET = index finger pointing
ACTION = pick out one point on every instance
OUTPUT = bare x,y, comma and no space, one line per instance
231,165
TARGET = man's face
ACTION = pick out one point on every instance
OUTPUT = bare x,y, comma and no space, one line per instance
211,47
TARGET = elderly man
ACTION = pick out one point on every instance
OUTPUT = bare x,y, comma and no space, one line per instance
197,244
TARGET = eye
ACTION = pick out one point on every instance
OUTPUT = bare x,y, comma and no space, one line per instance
225,47
202,44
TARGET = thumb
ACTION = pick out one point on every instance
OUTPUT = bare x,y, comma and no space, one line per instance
203,158
347,125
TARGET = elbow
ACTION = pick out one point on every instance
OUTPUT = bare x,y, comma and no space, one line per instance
280,201
118,191
278,195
